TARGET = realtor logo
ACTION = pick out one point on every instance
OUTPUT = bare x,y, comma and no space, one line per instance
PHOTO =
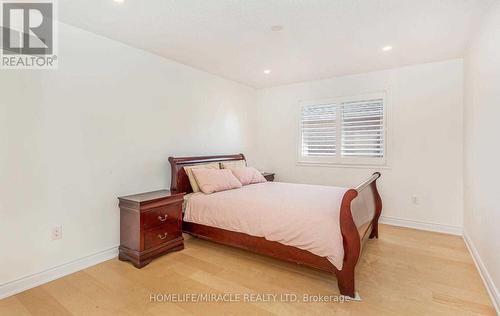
28,37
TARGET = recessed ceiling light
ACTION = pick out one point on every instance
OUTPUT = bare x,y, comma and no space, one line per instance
119,1
277,28
267,71
387,48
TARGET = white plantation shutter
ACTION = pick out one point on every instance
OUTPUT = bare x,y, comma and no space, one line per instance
346,130
318,130
363,129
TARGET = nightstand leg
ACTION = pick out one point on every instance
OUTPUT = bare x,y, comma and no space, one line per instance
136,263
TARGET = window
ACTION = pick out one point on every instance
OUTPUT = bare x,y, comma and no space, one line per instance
319,129
344,131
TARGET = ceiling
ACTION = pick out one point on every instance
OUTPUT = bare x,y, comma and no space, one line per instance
319,39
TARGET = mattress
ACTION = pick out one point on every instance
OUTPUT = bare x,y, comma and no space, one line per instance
299,215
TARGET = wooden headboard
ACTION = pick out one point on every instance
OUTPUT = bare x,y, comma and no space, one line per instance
179,181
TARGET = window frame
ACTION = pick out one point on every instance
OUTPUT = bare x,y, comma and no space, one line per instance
338,160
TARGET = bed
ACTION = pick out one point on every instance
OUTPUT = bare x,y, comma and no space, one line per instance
328,237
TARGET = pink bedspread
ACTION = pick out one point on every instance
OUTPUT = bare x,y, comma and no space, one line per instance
299,215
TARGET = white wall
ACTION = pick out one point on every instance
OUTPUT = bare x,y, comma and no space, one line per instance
102,125
425,149
482,152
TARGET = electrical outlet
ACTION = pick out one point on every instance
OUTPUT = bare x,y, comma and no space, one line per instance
56,233
415,199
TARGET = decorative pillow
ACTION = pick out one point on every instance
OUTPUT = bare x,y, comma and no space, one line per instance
189,172
233,164
248,175
211,180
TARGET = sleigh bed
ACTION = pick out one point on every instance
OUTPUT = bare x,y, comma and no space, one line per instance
359,211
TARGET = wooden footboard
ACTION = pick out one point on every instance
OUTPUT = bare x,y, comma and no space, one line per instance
359,214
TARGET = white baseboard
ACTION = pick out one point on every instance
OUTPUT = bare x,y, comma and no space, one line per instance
487,280
433,227
31,281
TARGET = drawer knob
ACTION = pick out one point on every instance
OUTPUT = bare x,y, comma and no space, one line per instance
162,219
162,236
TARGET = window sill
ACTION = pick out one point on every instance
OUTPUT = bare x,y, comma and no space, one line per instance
342,165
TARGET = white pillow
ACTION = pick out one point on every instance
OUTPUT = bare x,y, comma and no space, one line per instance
233,164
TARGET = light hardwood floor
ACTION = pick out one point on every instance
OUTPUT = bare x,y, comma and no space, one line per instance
405,272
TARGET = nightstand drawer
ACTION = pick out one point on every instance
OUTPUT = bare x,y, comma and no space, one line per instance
162,215
161,234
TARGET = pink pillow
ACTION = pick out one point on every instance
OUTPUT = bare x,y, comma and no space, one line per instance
248,175
215,180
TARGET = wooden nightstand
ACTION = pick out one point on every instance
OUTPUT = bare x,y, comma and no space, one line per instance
150,226
268,176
